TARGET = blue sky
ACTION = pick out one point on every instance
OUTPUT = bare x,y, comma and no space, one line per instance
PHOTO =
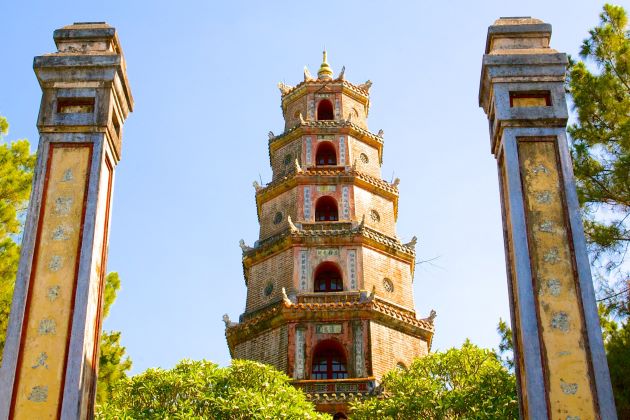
203,76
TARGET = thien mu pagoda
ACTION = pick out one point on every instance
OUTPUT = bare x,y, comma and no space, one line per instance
329,283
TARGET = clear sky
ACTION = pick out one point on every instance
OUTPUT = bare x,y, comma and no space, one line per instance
203,75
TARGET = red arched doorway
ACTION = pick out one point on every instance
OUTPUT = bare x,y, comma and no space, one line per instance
326,209
329,361
328,278
326,154
325,110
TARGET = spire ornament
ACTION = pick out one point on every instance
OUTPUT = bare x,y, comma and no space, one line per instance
324,72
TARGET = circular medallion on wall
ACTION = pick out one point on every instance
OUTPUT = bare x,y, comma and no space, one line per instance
268,290
287,159
277,219
375,216
388,285
364,158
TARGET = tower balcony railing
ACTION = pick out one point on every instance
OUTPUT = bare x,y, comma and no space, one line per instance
326,226
330,297
336,386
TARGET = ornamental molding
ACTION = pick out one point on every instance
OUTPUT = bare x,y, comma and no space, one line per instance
369,307
326,127
328,176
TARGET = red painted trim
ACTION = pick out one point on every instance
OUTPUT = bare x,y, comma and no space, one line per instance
101,287
42,206
34,270
76,265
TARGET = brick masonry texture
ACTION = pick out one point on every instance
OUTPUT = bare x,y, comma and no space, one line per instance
287,205
283,160
390,347
356,109
373,167
366,202
377,266
269,347
276,270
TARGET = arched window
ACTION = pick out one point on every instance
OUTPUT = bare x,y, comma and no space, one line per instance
329,361
328,278
326,154
325,110
326,209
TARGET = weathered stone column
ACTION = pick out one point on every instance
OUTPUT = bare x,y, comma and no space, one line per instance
51,353
560,360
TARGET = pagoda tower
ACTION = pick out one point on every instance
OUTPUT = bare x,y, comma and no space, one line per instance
329,283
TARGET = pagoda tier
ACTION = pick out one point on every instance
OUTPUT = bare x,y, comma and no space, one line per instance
329,283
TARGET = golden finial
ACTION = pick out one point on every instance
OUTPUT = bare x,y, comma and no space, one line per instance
325,72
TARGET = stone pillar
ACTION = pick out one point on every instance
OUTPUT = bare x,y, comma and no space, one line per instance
560,361
51,353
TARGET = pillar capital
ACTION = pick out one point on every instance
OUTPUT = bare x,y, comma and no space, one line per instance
84,83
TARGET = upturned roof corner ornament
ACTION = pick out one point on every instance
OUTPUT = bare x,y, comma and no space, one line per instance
257,186
396,182
285,298
302,118
366,86
307,75
292,226
298,168
228,323
380,133
360,226
284,88
349,119
412,243
431,316
342,73
244,247
372,293
271,135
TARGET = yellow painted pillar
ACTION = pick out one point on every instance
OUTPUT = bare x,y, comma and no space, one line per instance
560,361
50,361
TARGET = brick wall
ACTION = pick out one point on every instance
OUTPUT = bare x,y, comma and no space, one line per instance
357,109
291,116
269,347
276,270
389,347
377,266
356,147
283,159
365,202
286,204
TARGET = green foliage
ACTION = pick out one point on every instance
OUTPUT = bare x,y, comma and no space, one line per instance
112,285
16,175
464,383
506,346
113,361
601,140
201,389
617,344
